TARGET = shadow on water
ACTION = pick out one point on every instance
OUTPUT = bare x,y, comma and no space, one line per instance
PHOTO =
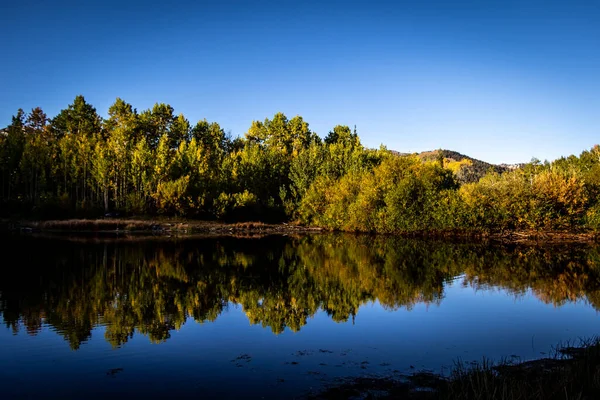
151,287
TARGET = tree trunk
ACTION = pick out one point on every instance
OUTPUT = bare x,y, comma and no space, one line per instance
106,198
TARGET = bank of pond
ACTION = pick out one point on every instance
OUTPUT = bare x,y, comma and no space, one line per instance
571,373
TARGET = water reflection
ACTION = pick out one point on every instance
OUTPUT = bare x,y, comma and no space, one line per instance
151,287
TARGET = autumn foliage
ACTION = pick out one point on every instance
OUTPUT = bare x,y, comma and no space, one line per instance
78,164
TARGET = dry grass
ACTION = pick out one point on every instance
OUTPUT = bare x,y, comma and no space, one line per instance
93,225
573,373
182,226
158,226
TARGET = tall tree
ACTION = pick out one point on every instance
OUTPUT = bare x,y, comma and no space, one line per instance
78,118
12,152
156,122
122,116
179,131
122,131
342,134
36,154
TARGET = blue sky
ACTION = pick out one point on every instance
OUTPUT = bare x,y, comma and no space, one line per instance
502,81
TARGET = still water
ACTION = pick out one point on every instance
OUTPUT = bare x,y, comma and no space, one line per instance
278,316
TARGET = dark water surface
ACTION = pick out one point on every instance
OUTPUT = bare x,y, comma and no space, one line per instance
277,316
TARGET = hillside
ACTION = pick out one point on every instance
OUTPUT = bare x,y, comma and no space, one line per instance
467,169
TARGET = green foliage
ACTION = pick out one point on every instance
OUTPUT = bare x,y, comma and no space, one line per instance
236,205
545,199
400,194
405,194
593,217
79,118
171,196
281,134
157,162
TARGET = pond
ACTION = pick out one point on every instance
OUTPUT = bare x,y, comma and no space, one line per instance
278,316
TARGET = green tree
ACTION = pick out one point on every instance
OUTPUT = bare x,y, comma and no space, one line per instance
36,155
78,118
12,152
156,123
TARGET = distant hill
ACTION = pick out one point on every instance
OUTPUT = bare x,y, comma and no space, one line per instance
467,169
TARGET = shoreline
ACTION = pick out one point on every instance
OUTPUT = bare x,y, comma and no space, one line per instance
176,226
570,371
154,227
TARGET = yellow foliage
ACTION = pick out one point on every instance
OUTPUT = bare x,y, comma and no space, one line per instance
456,166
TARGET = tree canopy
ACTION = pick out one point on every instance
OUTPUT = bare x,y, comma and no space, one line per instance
158,162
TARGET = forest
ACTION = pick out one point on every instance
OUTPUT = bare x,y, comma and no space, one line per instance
155,162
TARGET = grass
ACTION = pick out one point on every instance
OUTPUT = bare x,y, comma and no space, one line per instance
93,225
156,226
572,373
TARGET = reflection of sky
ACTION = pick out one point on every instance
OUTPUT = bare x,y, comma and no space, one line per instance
201,357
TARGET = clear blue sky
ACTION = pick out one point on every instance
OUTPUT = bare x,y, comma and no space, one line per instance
503,81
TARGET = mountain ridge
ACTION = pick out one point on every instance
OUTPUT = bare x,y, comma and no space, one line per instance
466,168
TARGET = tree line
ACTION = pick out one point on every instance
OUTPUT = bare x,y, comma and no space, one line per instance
153,162
157,162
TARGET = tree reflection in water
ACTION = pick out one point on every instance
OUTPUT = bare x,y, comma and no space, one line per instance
152,286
